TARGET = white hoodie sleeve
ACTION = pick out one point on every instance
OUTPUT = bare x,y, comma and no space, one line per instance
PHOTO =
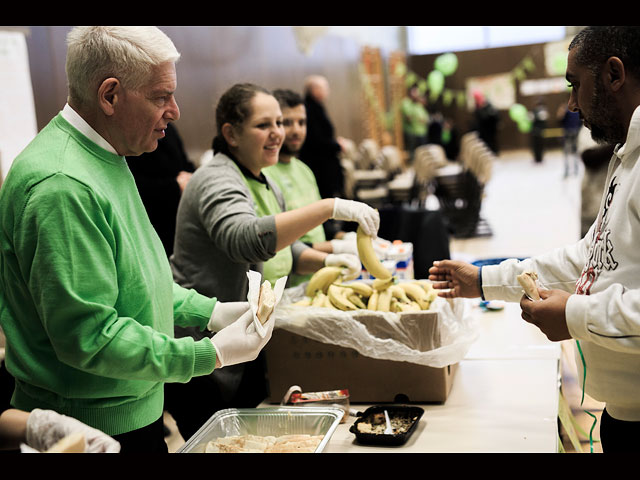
610,318
558,269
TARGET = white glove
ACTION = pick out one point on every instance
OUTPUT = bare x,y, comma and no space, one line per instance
344,246
351,211
46,427
234,344
351,263
225,313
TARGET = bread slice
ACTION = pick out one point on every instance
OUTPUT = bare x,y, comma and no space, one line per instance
266,302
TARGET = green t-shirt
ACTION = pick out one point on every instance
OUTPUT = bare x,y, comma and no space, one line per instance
415,117
266,204
299,188
87,298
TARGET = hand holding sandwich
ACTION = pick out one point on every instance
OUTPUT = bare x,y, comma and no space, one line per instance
548,313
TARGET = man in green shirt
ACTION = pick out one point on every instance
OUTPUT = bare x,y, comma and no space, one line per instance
415,119
296,180
87,299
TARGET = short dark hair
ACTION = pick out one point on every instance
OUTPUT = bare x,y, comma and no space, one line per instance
234,107
288,98
596,44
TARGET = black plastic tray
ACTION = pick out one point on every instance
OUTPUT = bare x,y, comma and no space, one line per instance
411,413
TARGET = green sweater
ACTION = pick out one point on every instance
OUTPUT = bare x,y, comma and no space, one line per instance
87,299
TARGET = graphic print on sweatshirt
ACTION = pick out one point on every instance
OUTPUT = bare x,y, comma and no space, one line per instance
601,251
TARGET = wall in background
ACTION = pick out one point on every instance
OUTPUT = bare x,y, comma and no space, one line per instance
213,58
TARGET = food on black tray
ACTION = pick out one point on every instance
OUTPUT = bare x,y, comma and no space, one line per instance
375,423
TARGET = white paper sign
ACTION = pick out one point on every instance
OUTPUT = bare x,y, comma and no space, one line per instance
18,123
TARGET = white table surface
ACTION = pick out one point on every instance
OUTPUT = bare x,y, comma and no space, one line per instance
504,397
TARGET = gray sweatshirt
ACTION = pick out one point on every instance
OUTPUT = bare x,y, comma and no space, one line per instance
219,236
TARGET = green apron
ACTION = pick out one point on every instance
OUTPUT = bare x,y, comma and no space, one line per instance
266,204
299,188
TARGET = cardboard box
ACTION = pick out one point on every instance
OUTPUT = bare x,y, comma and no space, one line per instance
296,360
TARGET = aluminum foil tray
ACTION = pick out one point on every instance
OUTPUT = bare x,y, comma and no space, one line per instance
276,421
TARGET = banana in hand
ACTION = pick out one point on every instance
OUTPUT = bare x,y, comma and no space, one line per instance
368,257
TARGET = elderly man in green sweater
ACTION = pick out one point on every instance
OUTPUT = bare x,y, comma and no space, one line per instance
87,299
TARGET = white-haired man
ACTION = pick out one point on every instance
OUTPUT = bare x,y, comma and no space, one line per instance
87,299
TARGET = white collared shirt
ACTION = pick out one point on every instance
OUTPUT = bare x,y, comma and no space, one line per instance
71,116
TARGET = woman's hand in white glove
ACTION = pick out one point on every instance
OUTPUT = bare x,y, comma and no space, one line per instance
46,427
351,264
225,313
234,344
344,246
351,211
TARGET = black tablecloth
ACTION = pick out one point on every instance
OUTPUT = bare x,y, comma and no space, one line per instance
425,229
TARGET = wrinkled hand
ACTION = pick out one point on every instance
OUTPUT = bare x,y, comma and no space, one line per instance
548,313
351,211
455,279
234,344
351,263
46,427
225,313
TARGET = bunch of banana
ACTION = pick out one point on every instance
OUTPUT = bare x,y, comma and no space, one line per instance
326,290
321,280
381,296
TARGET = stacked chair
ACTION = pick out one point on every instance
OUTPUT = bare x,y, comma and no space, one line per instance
366,178
460,192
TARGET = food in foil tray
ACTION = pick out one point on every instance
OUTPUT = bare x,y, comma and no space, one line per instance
295,443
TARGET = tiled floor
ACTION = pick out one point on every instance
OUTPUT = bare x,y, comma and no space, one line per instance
531,209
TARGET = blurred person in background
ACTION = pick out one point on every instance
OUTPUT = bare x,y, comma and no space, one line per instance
539,119
415,119
486,121
571,124
161,176
321,149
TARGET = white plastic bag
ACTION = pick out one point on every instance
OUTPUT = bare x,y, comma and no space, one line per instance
438,337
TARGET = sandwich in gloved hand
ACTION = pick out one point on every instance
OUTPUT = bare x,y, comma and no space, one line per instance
266,302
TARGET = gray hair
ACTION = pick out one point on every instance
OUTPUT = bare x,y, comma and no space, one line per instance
125,52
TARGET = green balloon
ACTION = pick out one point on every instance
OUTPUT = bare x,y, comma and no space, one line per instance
524,125
435,82
559,63
447,63
518,112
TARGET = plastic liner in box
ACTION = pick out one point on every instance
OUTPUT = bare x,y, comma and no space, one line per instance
274,421
409,414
